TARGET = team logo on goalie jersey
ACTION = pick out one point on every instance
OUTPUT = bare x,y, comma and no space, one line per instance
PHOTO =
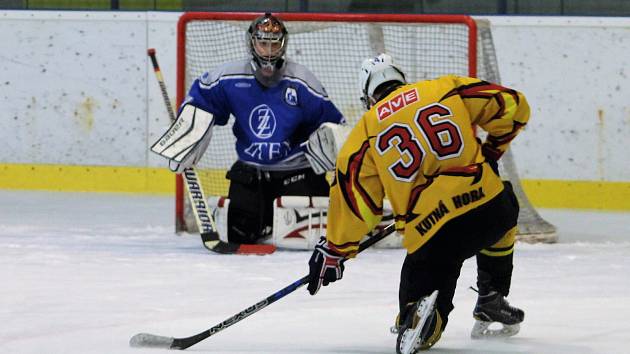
262,121
290,96
393,105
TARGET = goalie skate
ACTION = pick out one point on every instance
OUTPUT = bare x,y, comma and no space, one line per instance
411,339
490,309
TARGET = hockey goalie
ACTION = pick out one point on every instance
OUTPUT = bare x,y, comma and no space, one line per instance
287,131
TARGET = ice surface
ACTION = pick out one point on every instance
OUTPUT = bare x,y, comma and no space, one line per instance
83,273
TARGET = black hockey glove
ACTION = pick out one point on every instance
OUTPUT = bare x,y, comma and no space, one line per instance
325,266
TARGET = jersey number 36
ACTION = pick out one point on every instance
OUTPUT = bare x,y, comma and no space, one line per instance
442,135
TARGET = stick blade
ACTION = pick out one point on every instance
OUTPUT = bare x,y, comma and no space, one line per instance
212,243
146,340
234,248
257,249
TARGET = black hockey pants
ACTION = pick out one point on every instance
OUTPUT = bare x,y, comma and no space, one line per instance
252,192
437,264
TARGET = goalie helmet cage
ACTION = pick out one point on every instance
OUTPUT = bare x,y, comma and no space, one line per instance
333,46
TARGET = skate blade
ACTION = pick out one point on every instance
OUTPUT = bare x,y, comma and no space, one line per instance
481,330
411,337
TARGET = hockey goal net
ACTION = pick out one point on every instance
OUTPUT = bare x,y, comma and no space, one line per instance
333,46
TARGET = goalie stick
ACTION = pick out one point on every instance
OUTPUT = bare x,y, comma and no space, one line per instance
205,222
154,341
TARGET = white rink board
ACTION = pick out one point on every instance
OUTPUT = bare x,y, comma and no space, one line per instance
575,73
76,88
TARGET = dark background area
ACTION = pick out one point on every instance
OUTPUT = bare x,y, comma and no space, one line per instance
470,7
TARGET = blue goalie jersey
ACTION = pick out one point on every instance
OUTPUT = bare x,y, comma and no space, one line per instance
270,122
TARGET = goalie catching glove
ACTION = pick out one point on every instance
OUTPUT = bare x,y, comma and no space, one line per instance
323,145
186,139
325,266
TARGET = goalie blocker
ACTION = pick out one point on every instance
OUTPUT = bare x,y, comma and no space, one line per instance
298,222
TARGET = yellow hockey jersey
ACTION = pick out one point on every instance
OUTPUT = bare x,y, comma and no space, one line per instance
418,148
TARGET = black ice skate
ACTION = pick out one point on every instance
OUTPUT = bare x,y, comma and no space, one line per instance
417,331
493,308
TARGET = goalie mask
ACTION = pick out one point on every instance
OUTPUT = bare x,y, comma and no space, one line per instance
267,42
378,73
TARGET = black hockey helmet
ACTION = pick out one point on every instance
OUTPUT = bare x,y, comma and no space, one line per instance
267,42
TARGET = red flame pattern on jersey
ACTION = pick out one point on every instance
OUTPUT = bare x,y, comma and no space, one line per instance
349,182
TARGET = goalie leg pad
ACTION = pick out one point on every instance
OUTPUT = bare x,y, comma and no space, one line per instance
299,221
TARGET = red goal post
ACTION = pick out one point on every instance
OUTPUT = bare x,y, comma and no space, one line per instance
332,46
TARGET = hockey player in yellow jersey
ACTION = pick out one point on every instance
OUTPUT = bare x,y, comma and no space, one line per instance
416,146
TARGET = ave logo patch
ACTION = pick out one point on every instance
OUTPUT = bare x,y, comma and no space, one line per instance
290,96
262,121
396,103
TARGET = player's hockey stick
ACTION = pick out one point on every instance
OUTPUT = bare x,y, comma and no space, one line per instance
155,341
203,217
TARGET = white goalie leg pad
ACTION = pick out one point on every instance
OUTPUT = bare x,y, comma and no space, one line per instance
187,138
299,221
323,145
482,330
219,207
